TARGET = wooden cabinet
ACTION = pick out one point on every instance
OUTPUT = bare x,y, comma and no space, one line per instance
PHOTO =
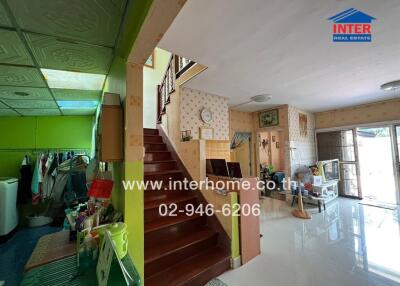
111,133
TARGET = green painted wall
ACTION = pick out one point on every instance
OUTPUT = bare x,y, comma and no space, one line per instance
116,83
55,132
134,214
129,202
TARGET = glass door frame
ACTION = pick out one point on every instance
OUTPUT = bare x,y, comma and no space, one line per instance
396,158
395,153
356,162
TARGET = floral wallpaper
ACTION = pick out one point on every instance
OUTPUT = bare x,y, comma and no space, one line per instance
240,122
192,102
368,113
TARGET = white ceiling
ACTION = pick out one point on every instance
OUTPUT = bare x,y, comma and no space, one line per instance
285,48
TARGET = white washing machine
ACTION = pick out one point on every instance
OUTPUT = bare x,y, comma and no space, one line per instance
8,205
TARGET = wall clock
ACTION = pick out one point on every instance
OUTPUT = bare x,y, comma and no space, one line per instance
206,115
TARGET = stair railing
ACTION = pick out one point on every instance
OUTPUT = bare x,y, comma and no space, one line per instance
176,67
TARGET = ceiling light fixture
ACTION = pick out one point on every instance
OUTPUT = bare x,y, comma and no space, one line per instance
73,80
77,104
260,98
21,93
391,85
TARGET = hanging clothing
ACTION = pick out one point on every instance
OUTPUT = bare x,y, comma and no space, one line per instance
239,138
24,186
35,184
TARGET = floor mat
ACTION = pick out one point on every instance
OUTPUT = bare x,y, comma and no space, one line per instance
216,282
379,205
61,272
16,251
51,247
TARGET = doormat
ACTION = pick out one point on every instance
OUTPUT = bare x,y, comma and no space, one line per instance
215,282
380,205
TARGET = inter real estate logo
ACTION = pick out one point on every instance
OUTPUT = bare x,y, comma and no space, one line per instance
352,26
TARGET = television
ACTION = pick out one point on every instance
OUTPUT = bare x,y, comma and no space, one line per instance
234,170
209,169
217,167
329,170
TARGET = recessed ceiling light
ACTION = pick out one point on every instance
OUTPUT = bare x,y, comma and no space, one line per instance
76,104
73,80
391,85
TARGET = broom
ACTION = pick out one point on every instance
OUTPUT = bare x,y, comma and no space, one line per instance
300,212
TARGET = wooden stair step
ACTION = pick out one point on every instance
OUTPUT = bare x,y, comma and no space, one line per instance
155,146
164,194
196,270
162,249
168,221
162,172
160,161
152,208
150,131
170,228
153,139
163,175
157,156
156,166
168,253
171,200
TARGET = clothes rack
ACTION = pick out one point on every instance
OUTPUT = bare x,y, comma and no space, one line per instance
44,150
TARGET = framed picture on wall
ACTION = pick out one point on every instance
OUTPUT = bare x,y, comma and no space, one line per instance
303,124
206,133
269,118
150,61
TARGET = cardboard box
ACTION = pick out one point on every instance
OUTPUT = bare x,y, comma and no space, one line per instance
111,99
317,180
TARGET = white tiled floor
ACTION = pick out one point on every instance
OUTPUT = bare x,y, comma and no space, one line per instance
347,245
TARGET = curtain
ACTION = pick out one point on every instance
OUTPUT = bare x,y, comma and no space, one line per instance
239,138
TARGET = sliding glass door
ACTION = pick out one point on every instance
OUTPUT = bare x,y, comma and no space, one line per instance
369,161
396,142
376,157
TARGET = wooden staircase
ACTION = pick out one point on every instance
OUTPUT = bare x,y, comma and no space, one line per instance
182,249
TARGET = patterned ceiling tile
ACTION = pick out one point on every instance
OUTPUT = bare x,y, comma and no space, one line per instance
8,112
92,21
4,20
3,105
15,92
12,50
53,53
39,112
71,94
79,111
20,76
29,103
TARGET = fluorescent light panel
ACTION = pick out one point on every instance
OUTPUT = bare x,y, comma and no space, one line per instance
73,80
76,104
